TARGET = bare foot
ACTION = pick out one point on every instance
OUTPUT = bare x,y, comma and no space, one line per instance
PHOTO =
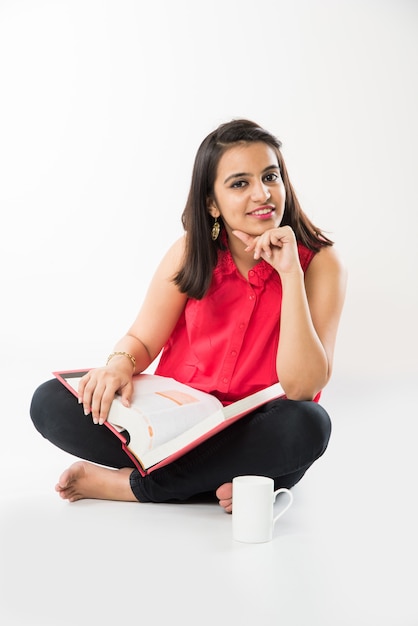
224,495
86,480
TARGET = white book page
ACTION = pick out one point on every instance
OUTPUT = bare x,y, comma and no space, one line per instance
154,419
153,456
254,400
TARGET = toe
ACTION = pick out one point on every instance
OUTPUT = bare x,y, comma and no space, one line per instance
224,492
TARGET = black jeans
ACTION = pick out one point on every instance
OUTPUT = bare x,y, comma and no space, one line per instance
282,439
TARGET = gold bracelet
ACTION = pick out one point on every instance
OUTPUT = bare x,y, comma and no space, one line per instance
130,356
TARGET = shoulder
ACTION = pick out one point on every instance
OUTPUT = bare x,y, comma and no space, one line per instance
328,258
169,265
174,257
177,249
327,267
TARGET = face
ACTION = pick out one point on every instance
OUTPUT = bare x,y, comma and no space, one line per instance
249,193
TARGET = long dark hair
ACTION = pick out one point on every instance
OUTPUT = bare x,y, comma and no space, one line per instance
201,251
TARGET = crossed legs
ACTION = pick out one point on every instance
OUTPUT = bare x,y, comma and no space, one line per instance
281,440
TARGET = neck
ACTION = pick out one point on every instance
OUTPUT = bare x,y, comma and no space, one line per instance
243,260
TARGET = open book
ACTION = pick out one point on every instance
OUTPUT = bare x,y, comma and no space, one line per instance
166,418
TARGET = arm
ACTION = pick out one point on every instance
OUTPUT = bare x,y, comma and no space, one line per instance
144,340
311,309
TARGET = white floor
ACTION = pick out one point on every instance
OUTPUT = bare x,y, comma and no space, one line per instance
84,188
344,555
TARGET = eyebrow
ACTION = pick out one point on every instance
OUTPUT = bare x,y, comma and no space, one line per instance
239,174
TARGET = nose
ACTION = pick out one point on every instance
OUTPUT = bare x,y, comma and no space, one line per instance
261,192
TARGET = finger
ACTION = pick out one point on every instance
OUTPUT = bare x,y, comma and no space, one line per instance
285,233
262,247
100,402
277,241
86,395
106,400
244,237
92,398
265,250
127,393
81,386
109,396
85,390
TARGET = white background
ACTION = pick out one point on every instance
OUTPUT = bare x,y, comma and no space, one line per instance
102,108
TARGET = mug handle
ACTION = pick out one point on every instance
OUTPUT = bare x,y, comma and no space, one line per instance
276,493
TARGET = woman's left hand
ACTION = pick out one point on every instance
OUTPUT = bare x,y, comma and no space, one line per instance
276,246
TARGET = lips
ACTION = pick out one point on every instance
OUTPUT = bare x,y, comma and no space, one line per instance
262,211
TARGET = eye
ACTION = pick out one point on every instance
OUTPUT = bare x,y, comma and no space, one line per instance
272,177
238,184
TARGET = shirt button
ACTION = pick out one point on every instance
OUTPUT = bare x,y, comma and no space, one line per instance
252,296
251,272
224,380
242,325
233,353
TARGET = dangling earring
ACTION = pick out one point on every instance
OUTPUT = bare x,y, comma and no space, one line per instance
216,229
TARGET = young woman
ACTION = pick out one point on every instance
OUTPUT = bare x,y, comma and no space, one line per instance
251,294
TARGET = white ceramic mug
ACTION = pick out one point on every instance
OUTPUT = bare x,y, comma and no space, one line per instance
253,517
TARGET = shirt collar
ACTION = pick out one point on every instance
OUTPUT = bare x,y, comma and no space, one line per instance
226,265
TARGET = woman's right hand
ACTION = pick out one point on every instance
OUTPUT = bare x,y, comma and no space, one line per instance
99,386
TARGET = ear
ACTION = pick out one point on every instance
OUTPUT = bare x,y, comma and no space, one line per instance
212,208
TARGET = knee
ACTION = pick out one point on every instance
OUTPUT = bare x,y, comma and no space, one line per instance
304,425
41,405
317,423
293,425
